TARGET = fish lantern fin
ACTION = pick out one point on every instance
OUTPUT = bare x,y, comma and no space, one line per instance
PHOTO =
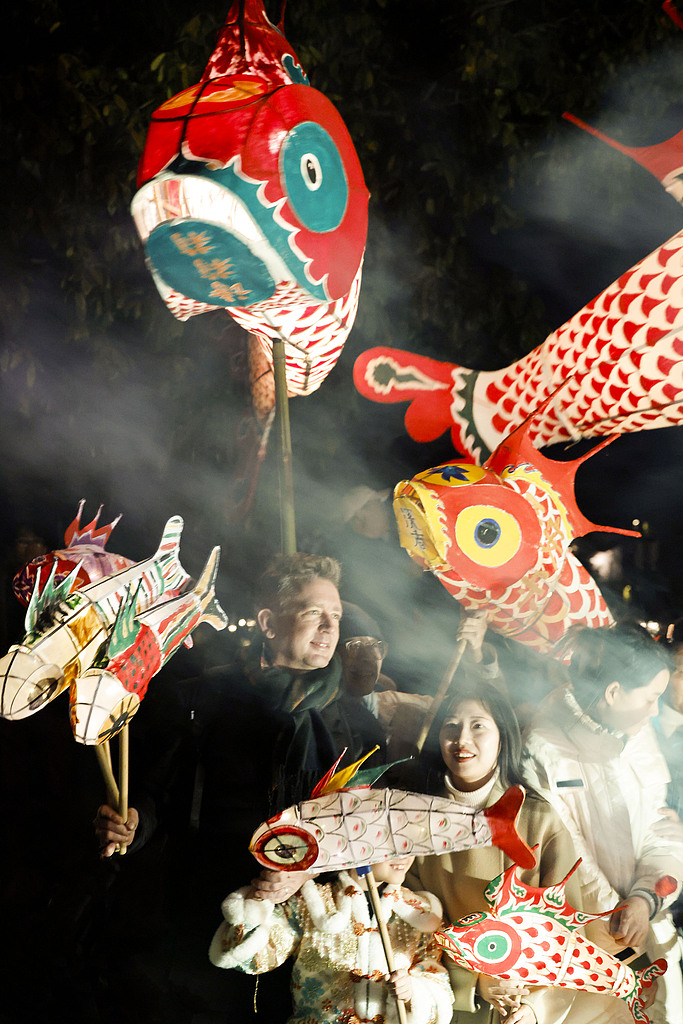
43,601
341,779
518,449
125,627
320,787
75,534
502,819
392,375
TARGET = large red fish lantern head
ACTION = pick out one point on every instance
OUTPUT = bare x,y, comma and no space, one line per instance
252,199
498,537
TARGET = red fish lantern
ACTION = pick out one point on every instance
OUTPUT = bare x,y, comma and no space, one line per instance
252,199
85,550
497,537
530,936
620,361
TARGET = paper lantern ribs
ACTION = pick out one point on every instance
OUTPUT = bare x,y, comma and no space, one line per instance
85,550
530,936
106,640
358,825
251,199
498,536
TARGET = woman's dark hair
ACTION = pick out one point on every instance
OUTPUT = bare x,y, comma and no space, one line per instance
625,654
502,713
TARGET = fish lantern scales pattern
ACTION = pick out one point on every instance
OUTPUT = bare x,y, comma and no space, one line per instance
251,199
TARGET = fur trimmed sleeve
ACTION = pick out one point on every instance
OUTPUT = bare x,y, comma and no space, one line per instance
255,936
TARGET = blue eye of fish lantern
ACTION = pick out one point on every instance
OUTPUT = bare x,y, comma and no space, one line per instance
487,533
314,177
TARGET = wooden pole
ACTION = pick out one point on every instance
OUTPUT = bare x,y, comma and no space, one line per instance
444,687
384,935
287,523
104,759
124,747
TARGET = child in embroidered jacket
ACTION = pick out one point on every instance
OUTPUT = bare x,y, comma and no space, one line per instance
340,974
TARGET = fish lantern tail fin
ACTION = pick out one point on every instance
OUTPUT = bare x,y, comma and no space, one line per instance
502,820
644,979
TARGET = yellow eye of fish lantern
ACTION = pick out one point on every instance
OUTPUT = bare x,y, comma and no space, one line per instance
487,535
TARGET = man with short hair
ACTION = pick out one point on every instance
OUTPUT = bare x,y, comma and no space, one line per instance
228,750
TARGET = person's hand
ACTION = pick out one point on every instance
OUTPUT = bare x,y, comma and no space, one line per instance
524,1014
277,886
503,995
402,985
630,921
669,827
112,831
472,628
648,994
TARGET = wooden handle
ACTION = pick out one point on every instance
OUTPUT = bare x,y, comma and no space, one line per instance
444,686
386,941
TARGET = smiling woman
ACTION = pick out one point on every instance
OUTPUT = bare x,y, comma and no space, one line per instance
476,760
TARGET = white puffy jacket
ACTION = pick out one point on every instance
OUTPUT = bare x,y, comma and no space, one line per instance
608,790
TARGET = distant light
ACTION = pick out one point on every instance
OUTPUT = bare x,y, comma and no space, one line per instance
653,627
251,623
232,628
636,522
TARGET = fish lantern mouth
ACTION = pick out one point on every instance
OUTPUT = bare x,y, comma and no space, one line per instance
284,847
26,683
195,232
412,509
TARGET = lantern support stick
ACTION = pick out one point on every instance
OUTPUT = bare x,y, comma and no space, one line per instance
124,747
366,873
287,523
104,759
444,687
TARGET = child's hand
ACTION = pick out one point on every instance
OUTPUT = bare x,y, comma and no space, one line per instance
277,886
402,985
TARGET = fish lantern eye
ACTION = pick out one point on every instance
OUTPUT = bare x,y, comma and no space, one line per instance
487,533
314,177
497,949
311,171
489,536
285,848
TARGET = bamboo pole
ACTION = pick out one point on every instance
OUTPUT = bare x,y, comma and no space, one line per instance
384,935
287,522
124,748
104,759
444,687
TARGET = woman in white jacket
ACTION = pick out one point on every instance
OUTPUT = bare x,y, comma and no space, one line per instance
592,752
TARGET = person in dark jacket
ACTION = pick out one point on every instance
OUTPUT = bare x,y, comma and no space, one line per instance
215,756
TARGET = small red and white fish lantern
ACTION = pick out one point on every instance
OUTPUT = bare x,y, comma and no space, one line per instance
530,936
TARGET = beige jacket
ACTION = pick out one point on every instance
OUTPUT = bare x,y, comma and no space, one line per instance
459,880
